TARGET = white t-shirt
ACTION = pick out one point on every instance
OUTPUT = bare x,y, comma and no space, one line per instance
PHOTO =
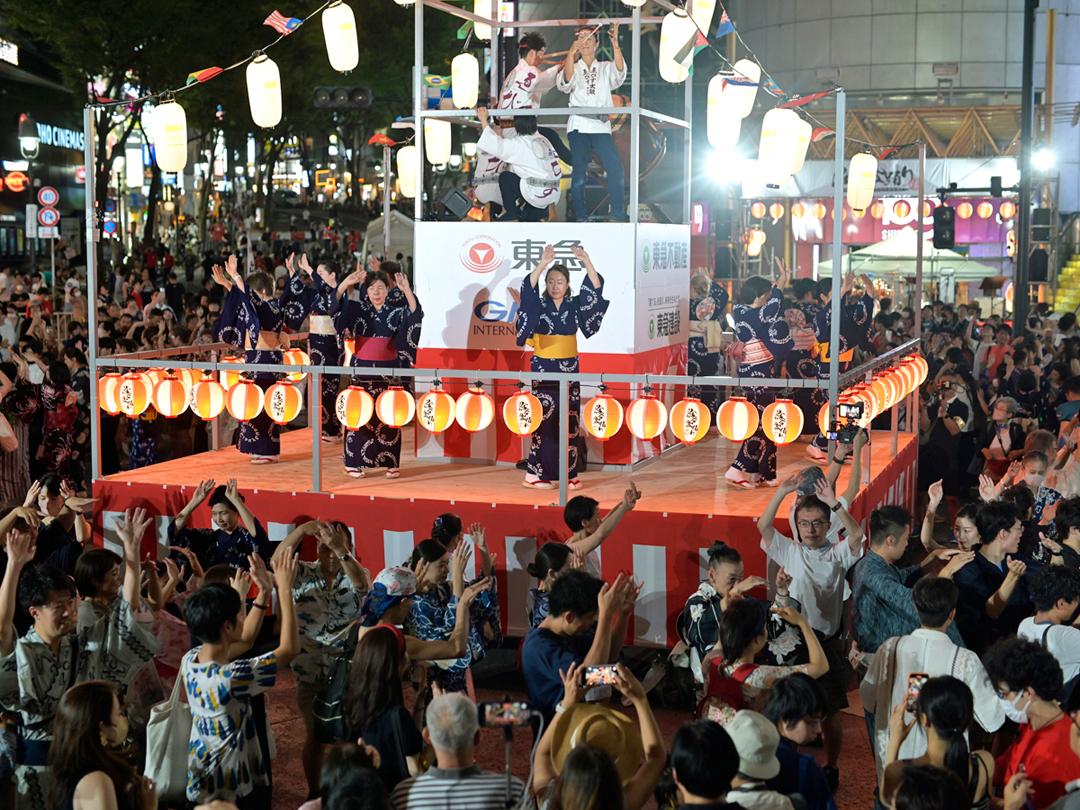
817,575
1063,642
591,87
532,158
525,84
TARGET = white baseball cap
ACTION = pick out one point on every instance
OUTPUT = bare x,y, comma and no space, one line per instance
756,740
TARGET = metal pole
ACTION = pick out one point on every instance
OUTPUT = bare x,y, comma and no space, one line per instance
91,290
564,440
838,256
494,78
386,204
1023,225
688,113
635,114
215,424
315,419
914,406
418,104
52,268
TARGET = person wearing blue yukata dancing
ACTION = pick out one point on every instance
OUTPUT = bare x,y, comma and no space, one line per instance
800,311
764,336
708,305
549,322
387,334
315,301
251,318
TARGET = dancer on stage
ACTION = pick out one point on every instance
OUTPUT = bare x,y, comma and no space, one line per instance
315,302
761,329
801,364
387,334
856,327
708,303
251,318
549,322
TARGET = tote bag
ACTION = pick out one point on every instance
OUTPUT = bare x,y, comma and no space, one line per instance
167,735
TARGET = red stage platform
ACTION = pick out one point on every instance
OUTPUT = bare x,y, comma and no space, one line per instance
686,505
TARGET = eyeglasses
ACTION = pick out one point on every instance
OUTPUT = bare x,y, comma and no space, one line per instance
812,524
1002,691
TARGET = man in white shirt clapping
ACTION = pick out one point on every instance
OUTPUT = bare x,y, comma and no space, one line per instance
525,85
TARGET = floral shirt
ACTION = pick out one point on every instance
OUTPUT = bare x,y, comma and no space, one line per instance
432,618
225,760
324,613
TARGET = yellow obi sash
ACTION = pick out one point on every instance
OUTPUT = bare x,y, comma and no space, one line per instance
822,354
554,347
712,332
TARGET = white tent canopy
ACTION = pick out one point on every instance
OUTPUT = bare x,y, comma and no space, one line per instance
895,256
401,236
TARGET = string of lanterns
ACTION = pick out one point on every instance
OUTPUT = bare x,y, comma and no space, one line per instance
171,392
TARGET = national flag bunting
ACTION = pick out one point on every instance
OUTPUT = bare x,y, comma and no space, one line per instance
282,24
726,26
799,101
771,87
432,80
888,153
821,133
204,75
381,139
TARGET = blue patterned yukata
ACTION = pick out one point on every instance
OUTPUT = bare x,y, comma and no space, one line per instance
218,547
539,318
316,303
432,618
856,325
243,316
766,339
801,362
385,338
703,345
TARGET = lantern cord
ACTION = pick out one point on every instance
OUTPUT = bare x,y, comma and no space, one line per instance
234,66
468,40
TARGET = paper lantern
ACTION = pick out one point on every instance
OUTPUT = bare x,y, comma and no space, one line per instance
207,399
819,211
782,421
283,402
244,400
230,378
874,404
862,174
964,210
755,241
901,209
437,141
887,390
108,387
803,133
776,150
602,416
757,210
435,410
405,2
824,416
776,210
350,350
155,375
134,394
465,81
722,122
985,210
483,8
737,419
744,86
170,397
474,410
701,12
169,125
677,34
927,209
523,413
909,375
295,357
798,210
395,406
339,31
407,170
354,407
646,417
1007,210
634,3
690,420
187,376
859,394
922,366
264,91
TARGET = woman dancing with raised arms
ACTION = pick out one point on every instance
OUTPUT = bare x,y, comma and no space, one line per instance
251,318
549,322
385,335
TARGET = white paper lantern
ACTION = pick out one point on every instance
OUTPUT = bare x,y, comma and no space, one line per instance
803,133
701,12
634,3
723,124
405,2
779,134
407,170
862,172
483,8
465,80
339,30
170,136
744,86
677,33
437,142
264,91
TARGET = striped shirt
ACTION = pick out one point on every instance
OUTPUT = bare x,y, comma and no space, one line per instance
456,789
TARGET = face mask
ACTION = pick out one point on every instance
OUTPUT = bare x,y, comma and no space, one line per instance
1015,714
1033,480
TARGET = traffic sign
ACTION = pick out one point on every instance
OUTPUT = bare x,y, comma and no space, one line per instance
48,196
48,232
48,217
109,227
31,220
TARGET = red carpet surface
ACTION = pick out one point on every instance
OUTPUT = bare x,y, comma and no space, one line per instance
290,789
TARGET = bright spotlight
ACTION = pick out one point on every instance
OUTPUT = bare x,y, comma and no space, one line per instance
1043,160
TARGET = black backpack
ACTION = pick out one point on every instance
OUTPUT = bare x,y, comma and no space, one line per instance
328,708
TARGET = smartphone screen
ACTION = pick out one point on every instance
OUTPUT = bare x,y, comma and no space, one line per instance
505,714
601,675
915,681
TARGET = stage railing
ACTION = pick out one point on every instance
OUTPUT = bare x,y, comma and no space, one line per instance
153,359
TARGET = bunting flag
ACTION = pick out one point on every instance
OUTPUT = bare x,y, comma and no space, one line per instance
381,139
799,101
821,133
282,24
204,75
432,80
463,31
887,153
726,26
771,87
